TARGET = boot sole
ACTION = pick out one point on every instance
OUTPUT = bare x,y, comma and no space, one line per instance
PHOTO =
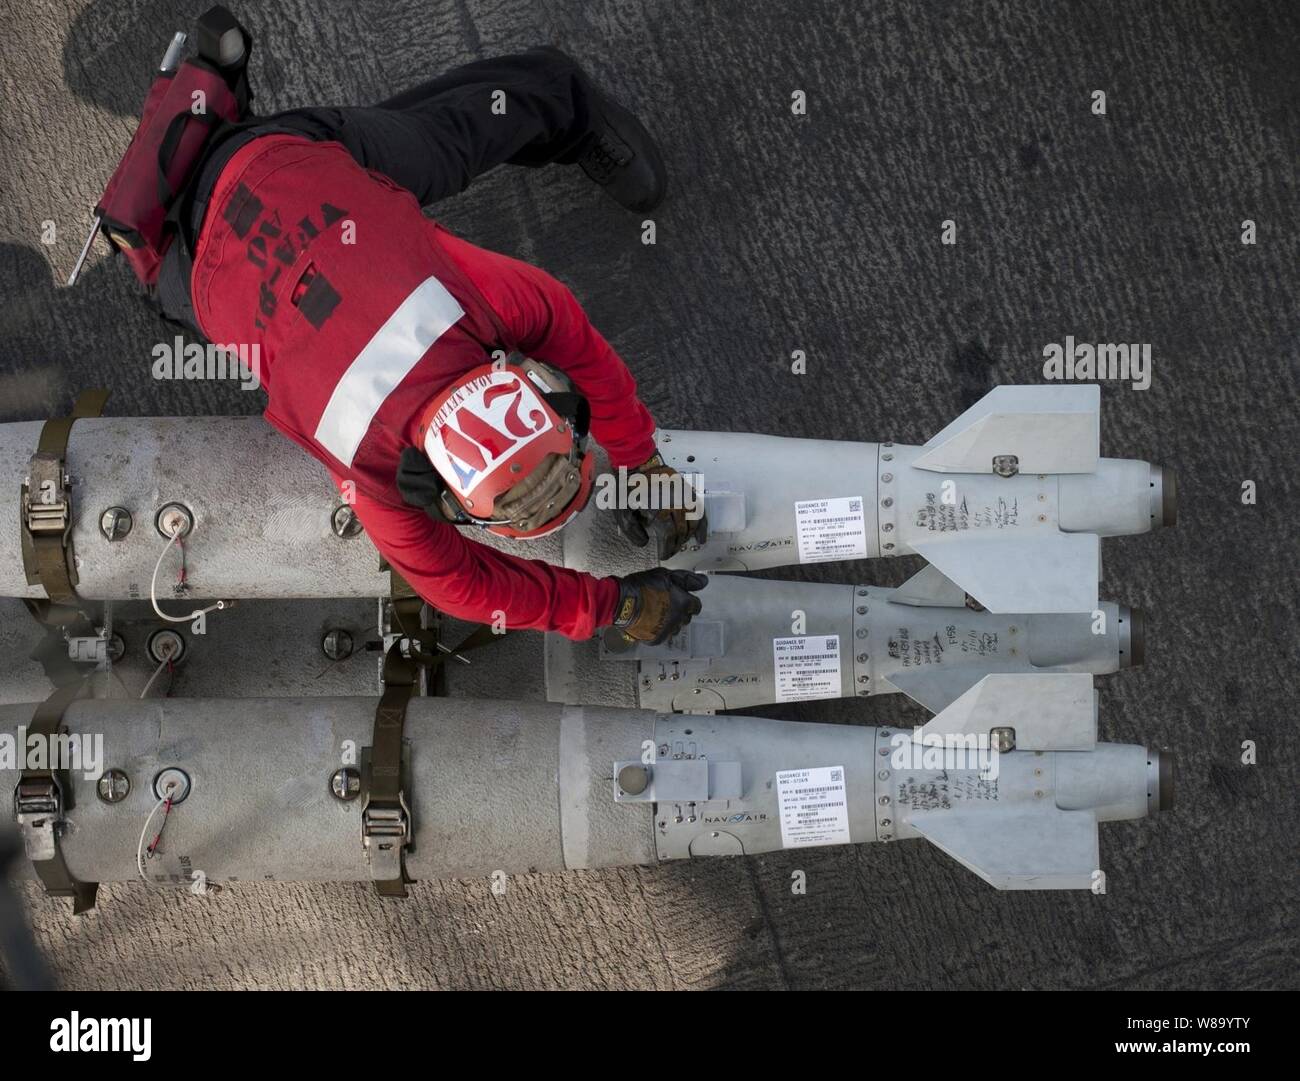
623,119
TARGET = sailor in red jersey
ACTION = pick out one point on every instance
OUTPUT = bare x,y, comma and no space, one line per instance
382,336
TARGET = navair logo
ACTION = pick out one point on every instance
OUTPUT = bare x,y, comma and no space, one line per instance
727,681
762,546
731,820
115,1035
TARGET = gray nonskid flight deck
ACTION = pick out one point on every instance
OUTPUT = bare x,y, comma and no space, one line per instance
819,233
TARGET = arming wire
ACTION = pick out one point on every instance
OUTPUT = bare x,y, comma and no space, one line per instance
153,587
165,802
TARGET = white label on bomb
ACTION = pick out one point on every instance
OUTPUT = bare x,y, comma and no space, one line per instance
830,529
807,667
814,806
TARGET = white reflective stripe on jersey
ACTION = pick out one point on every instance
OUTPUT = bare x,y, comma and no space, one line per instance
419,321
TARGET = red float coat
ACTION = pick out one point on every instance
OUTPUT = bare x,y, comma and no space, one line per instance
362,309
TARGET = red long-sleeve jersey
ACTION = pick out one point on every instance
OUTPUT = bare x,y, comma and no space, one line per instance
473,581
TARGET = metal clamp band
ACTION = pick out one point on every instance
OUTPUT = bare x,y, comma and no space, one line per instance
43,512
38,807
385,834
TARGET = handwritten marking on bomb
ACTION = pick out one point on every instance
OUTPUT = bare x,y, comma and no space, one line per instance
830,529
938,517
940,793
814,806
807,667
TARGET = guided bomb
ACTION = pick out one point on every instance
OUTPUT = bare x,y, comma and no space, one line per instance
759,641
1009,502
512,787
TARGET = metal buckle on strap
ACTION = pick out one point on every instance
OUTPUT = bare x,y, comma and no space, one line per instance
385,833
41,513
38,807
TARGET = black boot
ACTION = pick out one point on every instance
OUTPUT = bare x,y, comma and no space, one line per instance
619,154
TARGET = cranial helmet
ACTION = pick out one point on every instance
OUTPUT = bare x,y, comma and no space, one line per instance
507,441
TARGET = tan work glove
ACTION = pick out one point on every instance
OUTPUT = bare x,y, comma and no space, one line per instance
654,605
670,526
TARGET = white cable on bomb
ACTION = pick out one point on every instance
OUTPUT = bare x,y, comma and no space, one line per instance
157,672
153,589
139,851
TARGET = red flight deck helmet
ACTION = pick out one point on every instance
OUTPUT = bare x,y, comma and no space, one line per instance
508,442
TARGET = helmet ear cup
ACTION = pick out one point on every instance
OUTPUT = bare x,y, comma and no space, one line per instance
560,394
575,409
420,485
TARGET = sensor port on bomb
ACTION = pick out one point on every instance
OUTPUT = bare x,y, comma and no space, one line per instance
166,645
171,783
173,519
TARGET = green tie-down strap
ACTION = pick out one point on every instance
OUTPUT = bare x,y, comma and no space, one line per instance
41,799
386,817
46,504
